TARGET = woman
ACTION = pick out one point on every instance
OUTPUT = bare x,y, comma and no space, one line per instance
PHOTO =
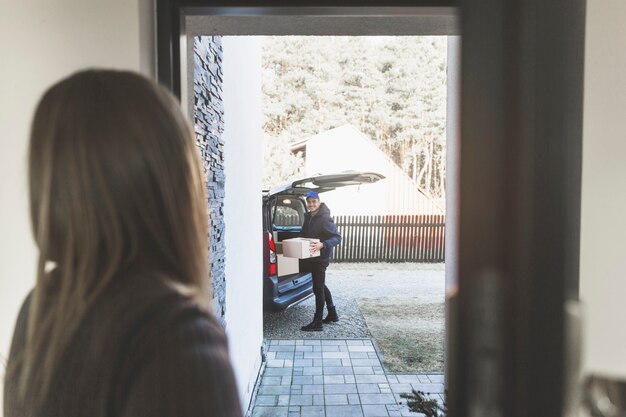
117,324
318,224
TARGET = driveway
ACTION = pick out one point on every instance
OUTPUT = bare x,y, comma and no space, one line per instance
339,371
354,284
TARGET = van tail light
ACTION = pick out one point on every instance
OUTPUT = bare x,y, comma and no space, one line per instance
272,268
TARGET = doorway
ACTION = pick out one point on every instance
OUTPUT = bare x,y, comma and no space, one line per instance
373,104
515,97
435,388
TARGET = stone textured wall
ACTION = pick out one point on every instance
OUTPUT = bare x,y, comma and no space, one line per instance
209,128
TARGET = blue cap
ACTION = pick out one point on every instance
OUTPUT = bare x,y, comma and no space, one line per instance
312,194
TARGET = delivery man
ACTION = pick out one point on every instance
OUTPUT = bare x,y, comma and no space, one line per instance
318,224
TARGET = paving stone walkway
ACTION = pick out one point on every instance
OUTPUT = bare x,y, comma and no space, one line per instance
335,378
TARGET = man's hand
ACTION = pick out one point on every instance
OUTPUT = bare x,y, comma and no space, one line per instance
315,246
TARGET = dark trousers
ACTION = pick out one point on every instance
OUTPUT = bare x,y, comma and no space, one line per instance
320,290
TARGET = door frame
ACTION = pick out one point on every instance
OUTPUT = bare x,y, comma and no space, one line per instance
519,193
172,32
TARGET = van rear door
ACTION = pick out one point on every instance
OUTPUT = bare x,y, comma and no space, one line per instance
322,183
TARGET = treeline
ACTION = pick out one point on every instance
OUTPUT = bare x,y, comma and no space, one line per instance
393,89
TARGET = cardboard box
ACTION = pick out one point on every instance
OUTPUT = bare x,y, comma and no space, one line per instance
287,266
299,247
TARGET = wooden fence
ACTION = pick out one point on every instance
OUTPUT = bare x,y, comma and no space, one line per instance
401,238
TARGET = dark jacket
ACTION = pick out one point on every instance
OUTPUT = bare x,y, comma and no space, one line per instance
142,350
322,227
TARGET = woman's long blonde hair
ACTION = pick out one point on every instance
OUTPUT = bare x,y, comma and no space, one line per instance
115,185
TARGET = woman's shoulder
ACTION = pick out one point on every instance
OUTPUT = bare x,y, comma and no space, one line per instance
168,322
181,345
19,333
173,353
178,315
157,304
145,340
138,313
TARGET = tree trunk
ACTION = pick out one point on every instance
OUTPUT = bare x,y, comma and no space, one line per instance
442,177
429,171
423,169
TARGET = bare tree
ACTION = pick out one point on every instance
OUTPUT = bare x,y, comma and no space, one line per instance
391,88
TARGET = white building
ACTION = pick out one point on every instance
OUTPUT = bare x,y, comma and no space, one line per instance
346,148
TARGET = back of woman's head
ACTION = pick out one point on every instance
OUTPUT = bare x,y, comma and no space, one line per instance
114,177
115,186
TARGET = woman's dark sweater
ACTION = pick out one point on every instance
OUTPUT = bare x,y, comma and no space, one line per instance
142,350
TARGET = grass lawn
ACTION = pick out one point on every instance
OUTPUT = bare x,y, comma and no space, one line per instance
409,334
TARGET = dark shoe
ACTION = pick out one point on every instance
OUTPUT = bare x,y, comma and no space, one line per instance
332,316
314,326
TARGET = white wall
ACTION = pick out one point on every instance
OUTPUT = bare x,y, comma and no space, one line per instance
603,230
43,41
242,207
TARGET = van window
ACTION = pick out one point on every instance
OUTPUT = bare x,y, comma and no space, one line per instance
288,212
